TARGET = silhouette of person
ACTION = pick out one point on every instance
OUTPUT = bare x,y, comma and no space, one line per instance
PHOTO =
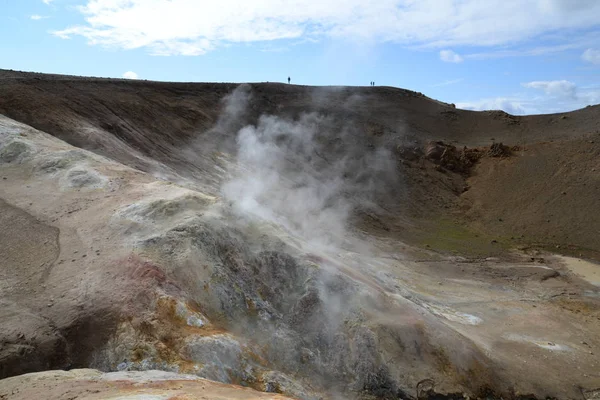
289,80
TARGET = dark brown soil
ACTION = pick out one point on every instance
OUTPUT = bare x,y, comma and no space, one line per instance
543,193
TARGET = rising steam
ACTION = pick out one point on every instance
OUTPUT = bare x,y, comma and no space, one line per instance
301,173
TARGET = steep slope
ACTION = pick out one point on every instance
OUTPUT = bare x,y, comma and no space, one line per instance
155,126
309,241
545,195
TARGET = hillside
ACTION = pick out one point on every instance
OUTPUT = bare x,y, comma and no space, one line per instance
358,242
146,125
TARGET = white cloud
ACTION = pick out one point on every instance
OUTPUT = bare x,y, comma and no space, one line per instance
274,49
514,106
536,51
192,27
555,43
450,56
449,82
36,17
589,96
554,88
556,96
130,75
47,1
592,56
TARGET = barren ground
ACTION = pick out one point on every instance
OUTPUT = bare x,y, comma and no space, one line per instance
315,242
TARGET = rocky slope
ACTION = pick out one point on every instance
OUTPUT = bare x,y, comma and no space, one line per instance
315,242
175,130
151,385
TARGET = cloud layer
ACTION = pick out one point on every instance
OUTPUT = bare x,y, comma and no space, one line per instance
554,88
191,27
513,106
450,56
130,75
591,56
555,96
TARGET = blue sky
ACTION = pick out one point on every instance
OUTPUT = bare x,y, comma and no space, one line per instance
522,56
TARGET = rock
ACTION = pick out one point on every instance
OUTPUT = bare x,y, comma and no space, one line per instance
277,382
449,157
499,150
81,177
89,383
435,150
409,152
58,161
15,152
220,355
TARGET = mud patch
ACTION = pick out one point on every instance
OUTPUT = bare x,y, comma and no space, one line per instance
58,161
587,270
452,315
162,210
544,344
83,178
15,152
29,247
143,397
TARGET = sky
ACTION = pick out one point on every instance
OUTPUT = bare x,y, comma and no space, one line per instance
520,56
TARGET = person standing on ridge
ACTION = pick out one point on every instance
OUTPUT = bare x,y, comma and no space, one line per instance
289,80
